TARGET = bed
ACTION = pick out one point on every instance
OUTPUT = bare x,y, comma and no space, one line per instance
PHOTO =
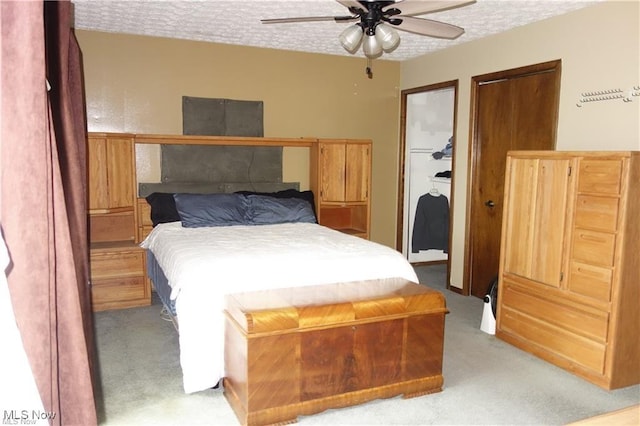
213,245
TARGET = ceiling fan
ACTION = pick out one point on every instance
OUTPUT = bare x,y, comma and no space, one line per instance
378,18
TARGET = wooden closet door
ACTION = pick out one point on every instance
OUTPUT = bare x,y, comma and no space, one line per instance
512,110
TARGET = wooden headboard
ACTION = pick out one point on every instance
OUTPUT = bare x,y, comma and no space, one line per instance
116,214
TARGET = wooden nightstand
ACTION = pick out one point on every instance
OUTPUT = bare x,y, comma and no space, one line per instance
118,278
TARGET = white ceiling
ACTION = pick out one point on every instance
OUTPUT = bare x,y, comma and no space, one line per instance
238,22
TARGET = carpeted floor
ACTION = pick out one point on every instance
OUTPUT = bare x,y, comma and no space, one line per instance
486,380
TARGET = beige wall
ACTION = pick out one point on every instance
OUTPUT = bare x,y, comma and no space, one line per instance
599,47
135,84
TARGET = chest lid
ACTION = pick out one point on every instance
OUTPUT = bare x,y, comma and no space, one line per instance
321,306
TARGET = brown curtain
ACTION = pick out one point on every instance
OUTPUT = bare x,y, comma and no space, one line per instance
43,203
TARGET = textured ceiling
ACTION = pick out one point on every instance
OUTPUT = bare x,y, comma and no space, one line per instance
238,22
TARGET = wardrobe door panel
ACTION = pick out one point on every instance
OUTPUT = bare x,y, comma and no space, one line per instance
97,170
537,189
333,164
520,198
548,226
357,172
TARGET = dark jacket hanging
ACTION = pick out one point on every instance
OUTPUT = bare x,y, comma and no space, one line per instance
431,224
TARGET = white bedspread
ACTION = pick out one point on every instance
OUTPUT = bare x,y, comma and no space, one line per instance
204,264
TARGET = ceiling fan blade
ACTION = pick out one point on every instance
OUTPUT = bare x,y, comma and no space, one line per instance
420,7
429,28
350,3
308,19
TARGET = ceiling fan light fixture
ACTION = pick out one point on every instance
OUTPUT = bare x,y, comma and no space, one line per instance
372,49
379,20
351,38
387,37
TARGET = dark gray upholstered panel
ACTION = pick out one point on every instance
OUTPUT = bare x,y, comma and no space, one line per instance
244,118
222,117
195,163
214,169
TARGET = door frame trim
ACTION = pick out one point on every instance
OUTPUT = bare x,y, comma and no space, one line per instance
472,160
402,163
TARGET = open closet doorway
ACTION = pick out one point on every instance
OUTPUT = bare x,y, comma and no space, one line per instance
428,122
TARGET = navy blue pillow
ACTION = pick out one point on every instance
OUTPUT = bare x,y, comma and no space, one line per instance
267,210
287,193
200,210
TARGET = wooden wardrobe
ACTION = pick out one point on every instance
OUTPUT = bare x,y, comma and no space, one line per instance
569,289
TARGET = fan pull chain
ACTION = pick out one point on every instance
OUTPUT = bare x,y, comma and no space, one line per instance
369,69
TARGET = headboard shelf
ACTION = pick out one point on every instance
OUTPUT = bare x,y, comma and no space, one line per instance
223,140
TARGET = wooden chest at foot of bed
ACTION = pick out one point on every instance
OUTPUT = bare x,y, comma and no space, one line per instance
300,351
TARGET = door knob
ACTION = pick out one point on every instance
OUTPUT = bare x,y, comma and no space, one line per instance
489,203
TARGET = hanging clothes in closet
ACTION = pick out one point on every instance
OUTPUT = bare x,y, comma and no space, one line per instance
431,224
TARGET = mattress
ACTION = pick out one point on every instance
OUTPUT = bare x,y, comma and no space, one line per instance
203,265
160,283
